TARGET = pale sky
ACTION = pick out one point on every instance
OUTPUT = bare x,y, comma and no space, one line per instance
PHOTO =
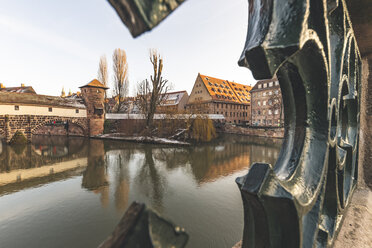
49,44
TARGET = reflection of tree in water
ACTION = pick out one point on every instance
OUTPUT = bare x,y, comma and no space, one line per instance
172,157
150,182
122,180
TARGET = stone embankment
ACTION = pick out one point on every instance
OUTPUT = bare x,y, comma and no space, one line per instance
267,132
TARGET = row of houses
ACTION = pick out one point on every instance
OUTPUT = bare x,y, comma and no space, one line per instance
240,104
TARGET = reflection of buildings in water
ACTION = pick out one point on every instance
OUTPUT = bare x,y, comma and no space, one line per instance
22,167
31,156
219,162
95,177
209,162
19,179
264,154
52,151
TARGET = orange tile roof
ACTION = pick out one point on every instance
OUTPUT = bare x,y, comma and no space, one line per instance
223,90
94,83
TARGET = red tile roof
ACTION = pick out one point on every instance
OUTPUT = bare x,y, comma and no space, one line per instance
224,90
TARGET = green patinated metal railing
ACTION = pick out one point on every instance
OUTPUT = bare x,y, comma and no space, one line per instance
310,46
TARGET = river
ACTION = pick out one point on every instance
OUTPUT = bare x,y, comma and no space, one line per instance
71,192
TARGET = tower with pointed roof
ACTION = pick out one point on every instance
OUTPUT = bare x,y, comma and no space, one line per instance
63,94
93,95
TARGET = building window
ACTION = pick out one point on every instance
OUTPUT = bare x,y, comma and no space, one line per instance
277,83
264,85
16,107
259,103
270,112
270,84
76,111
276,111
270,93
264,103
50,109
264,94
260,86
276,92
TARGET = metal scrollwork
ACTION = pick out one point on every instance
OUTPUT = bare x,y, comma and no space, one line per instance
310,46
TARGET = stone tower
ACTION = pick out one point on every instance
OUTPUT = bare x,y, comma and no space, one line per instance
93,95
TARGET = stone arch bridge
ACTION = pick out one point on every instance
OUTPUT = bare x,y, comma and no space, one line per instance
42,124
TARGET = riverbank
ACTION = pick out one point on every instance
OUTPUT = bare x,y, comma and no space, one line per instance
141,139
268,132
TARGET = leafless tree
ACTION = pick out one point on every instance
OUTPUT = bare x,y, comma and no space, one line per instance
103,76
275,104
151,94
121,83
102,71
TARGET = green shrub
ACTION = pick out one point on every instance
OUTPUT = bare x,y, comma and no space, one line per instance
18,139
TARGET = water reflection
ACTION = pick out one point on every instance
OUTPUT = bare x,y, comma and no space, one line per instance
150,180
194,186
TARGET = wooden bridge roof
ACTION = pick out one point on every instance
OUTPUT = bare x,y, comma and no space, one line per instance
15,98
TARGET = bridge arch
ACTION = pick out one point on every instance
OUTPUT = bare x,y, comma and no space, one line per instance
61,126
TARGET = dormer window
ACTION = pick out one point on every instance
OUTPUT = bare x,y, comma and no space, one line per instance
16,107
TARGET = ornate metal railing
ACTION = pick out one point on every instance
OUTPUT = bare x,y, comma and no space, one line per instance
310,46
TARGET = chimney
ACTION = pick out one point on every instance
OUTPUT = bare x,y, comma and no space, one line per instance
22,85
2,86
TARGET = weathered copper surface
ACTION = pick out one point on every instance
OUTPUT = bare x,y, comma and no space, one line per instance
310,46
143,15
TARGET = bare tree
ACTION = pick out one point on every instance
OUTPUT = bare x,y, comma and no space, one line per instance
102,70
275,104
151,94
121,83
103,77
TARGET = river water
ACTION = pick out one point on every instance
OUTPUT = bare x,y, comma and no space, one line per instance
71,192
